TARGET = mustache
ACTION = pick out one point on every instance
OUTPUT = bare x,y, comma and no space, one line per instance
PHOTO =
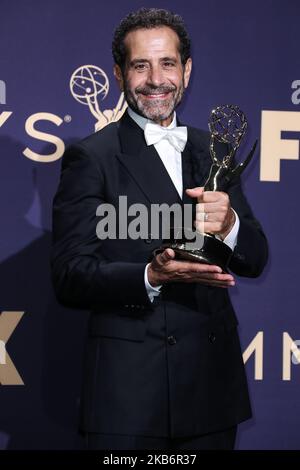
150,90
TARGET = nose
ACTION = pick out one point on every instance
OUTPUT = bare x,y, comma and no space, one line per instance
155,76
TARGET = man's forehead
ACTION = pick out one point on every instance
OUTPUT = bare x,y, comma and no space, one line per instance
145,41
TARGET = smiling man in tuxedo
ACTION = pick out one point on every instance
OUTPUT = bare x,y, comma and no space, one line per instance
163,366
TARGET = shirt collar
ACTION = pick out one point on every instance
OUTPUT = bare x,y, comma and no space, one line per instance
142,121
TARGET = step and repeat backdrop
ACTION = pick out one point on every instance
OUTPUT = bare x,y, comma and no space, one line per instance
56,87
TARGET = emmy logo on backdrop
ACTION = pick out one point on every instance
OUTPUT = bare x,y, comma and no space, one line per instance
89,84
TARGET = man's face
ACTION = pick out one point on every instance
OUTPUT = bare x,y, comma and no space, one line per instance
154,78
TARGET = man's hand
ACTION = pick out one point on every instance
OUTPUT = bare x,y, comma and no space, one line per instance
164,268
220,217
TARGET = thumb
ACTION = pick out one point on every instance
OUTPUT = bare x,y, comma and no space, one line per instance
195,192
167,255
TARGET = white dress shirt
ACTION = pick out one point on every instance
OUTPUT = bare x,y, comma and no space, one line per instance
171,159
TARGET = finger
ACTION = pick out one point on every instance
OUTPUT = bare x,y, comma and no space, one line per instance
206,282
195,267
220,277
214,227
200,208
195,192
211,283
207,276
210,217
209,207
214,196
214,276
224,285
199,226
167,255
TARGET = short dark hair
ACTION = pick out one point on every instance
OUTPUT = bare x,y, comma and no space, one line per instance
148,18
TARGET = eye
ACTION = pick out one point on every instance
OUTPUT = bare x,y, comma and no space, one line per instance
169,64
140,67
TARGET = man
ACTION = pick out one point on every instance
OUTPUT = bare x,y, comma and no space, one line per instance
163,365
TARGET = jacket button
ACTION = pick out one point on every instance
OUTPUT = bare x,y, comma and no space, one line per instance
212,337
172,340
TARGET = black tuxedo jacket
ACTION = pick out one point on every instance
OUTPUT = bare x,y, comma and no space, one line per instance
168,368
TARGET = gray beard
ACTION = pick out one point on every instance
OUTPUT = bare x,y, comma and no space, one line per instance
152,111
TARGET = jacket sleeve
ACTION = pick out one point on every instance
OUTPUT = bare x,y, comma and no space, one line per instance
251,251
82,277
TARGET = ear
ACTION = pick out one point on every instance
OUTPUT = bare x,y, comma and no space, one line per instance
187,72
119,76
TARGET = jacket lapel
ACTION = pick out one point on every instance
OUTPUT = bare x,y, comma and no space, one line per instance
144,164
148,171
195,163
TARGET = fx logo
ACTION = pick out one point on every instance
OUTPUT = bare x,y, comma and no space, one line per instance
273,147
8,372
